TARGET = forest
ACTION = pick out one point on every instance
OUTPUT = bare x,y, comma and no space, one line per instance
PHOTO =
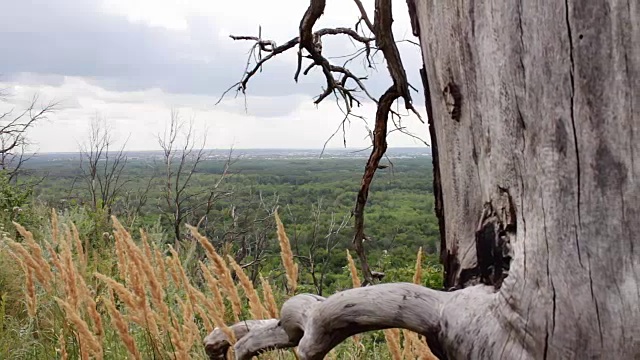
313,195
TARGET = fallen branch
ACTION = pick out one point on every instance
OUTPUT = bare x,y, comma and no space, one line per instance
216,344
265,334
316,325
263,338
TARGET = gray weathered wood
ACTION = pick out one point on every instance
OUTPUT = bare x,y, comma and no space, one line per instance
547,97
263,338
316,324
217,343
325,324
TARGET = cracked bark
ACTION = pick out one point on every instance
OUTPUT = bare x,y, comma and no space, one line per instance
547,99
534,163
217,343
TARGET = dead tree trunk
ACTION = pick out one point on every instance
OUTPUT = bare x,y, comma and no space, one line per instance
535,123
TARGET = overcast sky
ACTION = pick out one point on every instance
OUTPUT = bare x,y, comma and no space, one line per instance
132,61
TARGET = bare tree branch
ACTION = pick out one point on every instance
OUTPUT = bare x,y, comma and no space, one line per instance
101,167
400,88
316,324
214,194
363,15
181,162
310,42
216,344
13,134
270,47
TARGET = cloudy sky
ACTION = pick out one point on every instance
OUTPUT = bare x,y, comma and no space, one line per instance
131,62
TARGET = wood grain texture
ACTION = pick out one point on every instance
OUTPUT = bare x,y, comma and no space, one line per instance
399,305
548,116
263,338
217,343
316,324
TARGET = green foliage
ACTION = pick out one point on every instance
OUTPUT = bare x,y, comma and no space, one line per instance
14,200
11,284
315,195
12,195
315,199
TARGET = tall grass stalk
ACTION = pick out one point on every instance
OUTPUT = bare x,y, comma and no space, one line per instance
159,303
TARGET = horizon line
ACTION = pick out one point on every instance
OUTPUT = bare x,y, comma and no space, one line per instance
245,149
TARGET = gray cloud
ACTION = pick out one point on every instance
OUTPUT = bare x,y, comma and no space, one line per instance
74,38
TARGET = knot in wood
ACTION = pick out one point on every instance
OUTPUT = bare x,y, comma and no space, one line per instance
452,100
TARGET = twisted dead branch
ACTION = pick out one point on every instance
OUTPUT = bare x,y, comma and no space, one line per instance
14,128
316,324
217,343
345,85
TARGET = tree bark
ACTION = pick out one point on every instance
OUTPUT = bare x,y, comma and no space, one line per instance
268,335
534,121
535,117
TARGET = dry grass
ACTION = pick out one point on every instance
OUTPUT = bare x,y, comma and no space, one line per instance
269,298
223,272
287,256
257,310
134,298
392,337
122,326
417,276
155,307
354,271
